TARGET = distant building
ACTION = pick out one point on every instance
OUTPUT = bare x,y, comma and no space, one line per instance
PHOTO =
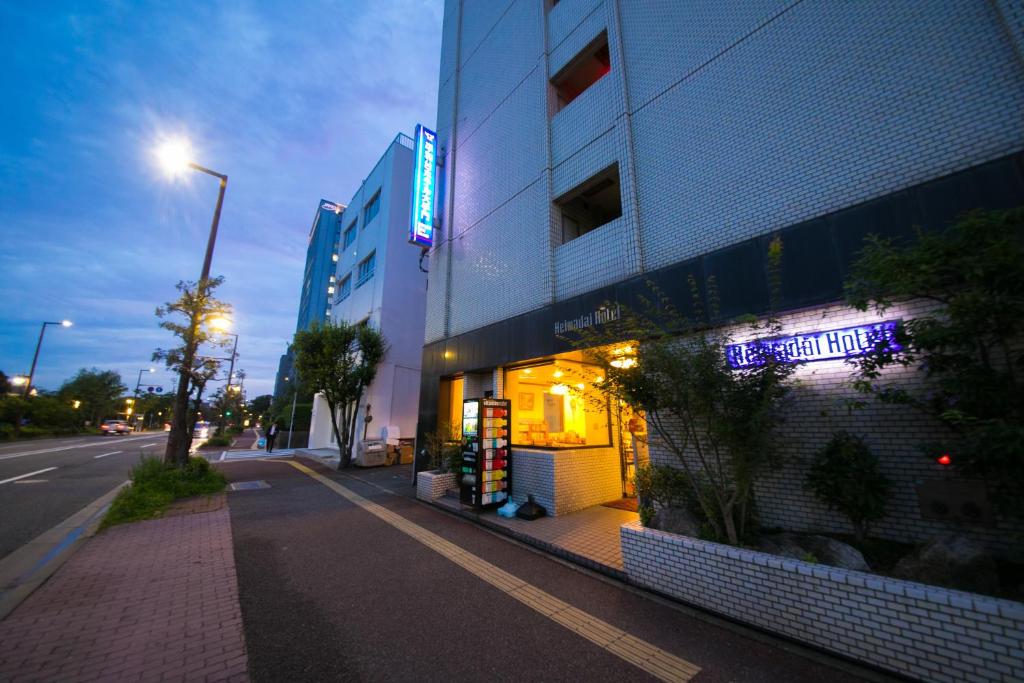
379,280
317,280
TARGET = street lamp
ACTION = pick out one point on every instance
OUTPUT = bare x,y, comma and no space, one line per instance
175,157
139,381
35,358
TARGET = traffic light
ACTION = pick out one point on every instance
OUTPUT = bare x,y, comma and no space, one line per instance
228,413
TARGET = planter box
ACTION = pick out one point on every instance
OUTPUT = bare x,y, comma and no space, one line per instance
431,485
926,632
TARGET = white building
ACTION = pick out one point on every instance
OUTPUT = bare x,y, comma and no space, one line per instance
379,280
592,145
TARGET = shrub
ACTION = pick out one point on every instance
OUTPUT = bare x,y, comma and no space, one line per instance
218,441
845,477
443,448
156,485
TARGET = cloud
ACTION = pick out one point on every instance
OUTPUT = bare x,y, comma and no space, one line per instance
294,102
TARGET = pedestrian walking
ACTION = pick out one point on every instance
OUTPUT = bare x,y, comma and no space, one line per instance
271,436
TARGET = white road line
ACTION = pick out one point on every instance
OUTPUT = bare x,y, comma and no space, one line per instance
147,445
65,448
25,476
97,457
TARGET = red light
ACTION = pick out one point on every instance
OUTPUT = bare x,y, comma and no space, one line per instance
944,459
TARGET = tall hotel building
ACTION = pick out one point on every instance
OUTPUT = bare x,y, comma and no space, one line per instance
589,146
317,281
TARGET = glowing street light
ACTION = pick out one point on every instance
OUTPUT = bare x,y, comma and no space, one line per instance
35,358
175,156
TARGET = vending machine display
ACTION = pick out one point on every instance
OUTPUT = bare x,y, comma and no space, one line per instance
486,466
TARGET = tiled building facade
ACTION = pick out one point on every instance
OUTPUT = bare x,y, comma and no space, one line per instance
591,145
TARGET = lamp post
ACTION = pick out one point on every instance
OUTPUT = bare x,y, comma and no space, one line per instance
174,155
35,358
295,398
138,383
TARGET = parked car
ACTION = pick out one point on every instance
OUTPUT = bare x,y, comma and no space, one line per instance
115,427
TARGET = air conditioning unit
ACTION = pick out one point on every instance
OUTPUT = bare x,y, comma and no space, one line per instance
371,453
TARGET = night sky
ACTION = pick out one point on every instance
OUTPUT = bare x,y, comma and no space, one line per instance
293,101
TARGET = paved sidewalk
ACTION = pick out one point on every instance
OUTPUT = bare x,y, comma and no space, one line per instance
150,601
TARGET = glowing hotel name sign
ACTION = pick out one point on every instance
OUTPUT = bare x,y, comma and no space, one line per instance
814,346
421,231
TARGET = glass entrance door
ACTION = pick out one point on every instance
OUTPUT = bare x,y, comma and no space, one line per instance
632,446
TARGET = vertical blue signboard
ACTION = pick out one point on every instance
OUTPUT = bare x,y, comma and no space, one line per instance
421,231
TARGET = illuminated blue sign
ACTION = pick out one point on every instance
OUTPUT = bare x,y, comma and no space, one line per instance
814,346
421,231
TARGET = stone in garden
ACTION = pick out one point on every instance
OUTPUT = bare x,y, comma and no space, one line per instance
952,561
824,549
676,521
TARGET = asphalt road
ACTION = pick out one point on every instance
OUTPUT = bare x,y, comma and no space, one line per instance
45,481
330,591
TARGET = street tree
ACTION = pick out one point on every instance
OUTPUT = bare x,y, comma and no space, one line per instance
719,422
260,406
967,348
185,318
339,361
98,390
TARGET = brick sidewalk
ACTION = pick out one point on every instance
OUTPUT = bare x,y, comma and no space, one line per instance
150,601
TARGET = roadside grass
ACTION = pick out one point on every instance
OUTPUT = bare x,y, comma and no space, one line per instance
217,442
155,486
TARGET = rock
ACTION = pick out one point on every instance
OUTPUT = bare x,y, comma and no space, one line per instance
783,545
952,561
835,553
676,521
822,549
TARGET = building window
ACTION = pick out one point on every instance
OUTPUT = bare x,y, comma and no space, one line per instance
589,206
557,405
366,269
345,288
330,289
334,257
372,209
350,235
585,69
328,313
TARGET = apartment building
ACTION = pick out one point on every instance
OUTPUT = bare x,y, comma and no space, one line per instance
588,147
379,279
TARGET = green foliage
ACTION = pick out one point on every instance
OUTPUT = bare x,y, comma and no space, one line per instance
720,423
98,390
156,485
968,349
46,415
260,406
845,477
339,360
218,442
664,485
185,318
443,448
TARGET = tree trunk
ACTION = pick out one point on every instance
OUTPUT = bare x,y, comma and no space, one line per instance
176,452
730,524
334,424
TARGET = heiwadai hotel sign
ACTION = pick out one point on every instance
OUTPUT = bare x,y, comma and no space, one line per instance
814,346
421,230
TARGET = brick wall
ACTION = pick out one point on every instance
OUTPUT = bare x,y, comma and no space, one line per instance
430,485
895,434
929,633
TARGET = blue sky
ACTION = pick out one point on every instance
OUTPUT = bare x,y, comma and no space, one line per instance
293,101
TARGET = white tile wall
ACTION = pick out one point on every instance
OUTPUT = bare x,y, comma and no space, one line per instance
927,632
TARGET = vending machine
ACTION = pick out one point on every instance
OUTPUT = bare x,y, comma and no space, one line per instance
486,466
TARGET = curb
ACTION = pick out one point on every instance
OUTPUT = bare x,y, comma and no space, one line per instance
28,567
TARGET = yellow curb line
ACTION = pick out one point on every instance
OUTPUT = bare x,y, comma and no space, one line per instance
641,654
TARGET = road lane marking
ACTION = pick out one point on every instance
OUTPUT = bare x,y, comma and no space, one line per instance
641,654
26,476
65,448
97,457
147,445
31,481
